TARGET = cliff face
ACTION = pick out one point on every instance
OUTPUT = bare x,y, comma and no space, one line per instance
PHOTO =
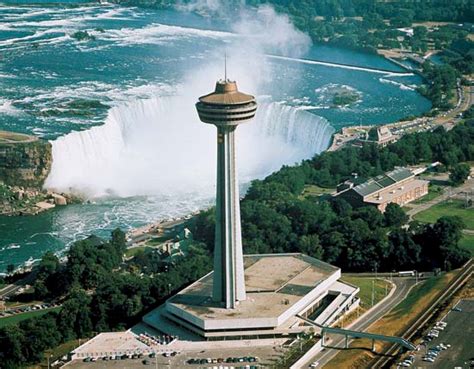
24,160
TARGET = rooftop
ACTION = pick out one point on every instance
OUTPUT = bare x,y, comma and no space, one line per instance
389,194
382,181
274,283
226,93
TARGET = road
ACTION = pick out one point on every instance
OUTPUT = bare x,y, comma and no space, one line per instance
9,290
137,236
13,288
402,285
464,103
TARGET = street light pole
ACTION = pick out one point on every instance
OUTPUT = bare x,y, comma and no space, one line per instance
373,291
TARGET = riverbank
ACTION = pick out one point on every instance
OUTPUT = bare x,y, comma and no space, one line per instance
17,201
357,134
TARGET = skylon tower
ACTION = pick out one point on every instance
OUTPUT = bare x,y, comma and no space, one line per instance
226,108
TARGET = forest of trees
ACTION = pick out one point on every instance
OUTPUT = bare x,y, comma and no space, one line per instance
98,292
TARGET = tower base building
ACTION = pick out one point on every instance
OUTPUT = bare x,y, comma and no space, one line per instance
286,295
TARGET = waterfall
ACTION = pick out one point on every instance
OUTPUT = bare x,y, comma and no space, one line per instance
157,147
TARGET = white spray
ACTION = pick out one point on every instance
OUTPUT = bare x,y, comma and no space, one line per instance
159,147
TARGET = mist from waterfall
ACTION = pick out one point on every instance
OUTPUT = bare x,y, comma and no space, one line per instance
157,146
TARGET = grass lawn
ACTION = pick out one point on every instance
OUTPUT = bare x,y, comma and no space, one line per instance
14,304
313,190
419,298
23,316
57,353
135,250
451,207
159,240
381,287
6,136
467,242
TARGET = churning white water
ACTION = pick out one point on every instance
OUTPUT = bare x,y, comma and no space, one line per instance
159,147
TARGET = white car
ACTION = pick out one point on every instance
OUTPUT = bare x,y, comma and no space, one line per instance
314,364
429,359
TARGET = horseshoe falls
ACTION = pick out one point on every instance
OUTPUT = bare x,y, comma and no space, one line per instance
152,147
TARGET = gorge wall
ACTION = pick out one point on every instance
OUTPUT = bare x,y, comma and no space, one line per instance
24,160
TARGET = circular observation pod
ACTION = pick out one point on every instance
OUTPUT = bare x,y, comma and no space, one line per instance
226,106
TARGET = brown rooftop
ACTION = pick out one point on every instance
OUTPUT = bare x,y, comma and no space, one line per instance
273,282
226,93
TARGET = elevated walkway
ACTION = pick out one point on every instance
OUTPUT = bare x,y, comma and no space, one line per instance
357,334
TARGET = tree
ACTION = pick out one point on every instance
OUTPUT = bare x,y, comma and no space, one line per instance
310,245
119,241
459,173
10,268
394,215
404,252
75,315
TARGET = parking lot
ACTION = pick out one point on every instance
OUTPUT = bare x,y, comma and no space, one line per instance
458,333
266,356
25,309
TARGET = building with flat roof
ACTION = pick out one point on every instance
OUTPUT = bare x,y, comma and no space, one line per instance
381,136
398,186
282,290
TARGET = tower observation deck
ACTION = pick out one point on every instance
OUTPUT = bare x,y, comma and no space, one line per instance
226,108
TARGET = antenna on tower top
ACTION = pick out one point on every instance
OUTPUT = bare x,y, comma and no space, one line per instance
225,66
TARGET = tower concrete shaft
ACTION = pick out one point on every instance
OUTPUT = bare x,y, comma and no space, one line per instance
229,281
226,108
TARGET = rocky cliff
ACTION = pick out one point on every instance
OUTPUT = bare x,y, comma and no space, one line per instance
24,160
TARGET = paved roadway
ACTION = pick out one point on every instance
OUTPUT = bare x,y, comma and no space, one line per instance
11,289
403,286
8,290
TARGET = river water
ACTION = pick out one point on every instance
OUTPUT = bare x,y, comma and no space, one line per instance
119,109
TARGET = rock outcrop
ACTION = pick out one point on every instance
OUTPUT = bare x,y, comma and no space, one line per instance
24,160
